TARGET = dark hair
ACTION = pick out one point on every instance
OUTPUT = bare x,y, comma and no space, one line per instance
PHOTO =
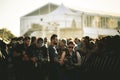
64,41
26,38
39,39
33,38
70,42
53,37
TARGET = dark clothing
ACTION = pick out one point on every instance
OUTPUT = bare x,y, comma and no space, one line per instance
54,65
53,54
45,51
71,59
3,65
39,68
70,70
21,65
61,49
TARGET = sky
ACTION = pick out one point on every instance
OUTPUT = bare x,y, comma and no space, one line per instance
12,10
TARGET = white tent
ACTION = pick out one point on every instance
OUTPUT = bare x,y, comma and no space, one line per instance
64,17
61,17
62,10
95,32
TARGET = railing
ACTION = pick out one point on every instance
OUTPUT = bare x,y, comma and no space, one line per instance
101,63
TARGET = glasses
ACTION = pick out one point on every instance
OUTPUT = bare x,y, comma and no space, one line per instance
70,47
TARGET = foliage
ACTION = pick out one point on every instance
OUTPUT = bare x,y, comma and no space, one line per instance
6,34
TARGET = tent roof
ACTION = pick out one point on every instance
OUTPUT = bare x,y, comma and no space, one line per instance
56,9
43,10
62,10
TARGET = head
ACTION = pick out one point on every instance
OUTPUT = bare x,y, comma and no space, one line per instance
45,40
33,40
39,42
63,42
54,39
26,41
70,45
76,40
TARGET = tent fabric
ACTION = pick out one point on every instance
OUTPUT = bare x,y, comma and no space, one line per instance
62,10
95,32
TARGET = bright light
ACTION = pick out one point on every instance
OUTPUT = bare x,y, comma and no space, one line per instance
12,10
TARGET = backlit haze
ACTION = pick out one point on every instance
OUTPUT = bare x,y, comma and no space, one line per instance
12,10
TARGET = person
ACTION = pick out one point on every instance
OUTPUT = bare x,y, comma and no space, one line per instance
46,42
62,46
3,61
45,63
21,59
78,44
54,62
36,57
71,60
25,58
33,40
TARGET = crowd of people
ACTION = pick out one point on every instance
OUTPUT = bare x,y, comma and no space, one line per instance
32,58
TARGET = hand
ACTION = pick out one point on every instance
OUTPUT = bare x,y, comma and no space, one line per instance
56,60
25,57
33,59
61,62
65,60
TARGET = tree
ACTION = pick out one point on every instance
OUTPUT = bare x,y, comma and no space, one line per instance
5,34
